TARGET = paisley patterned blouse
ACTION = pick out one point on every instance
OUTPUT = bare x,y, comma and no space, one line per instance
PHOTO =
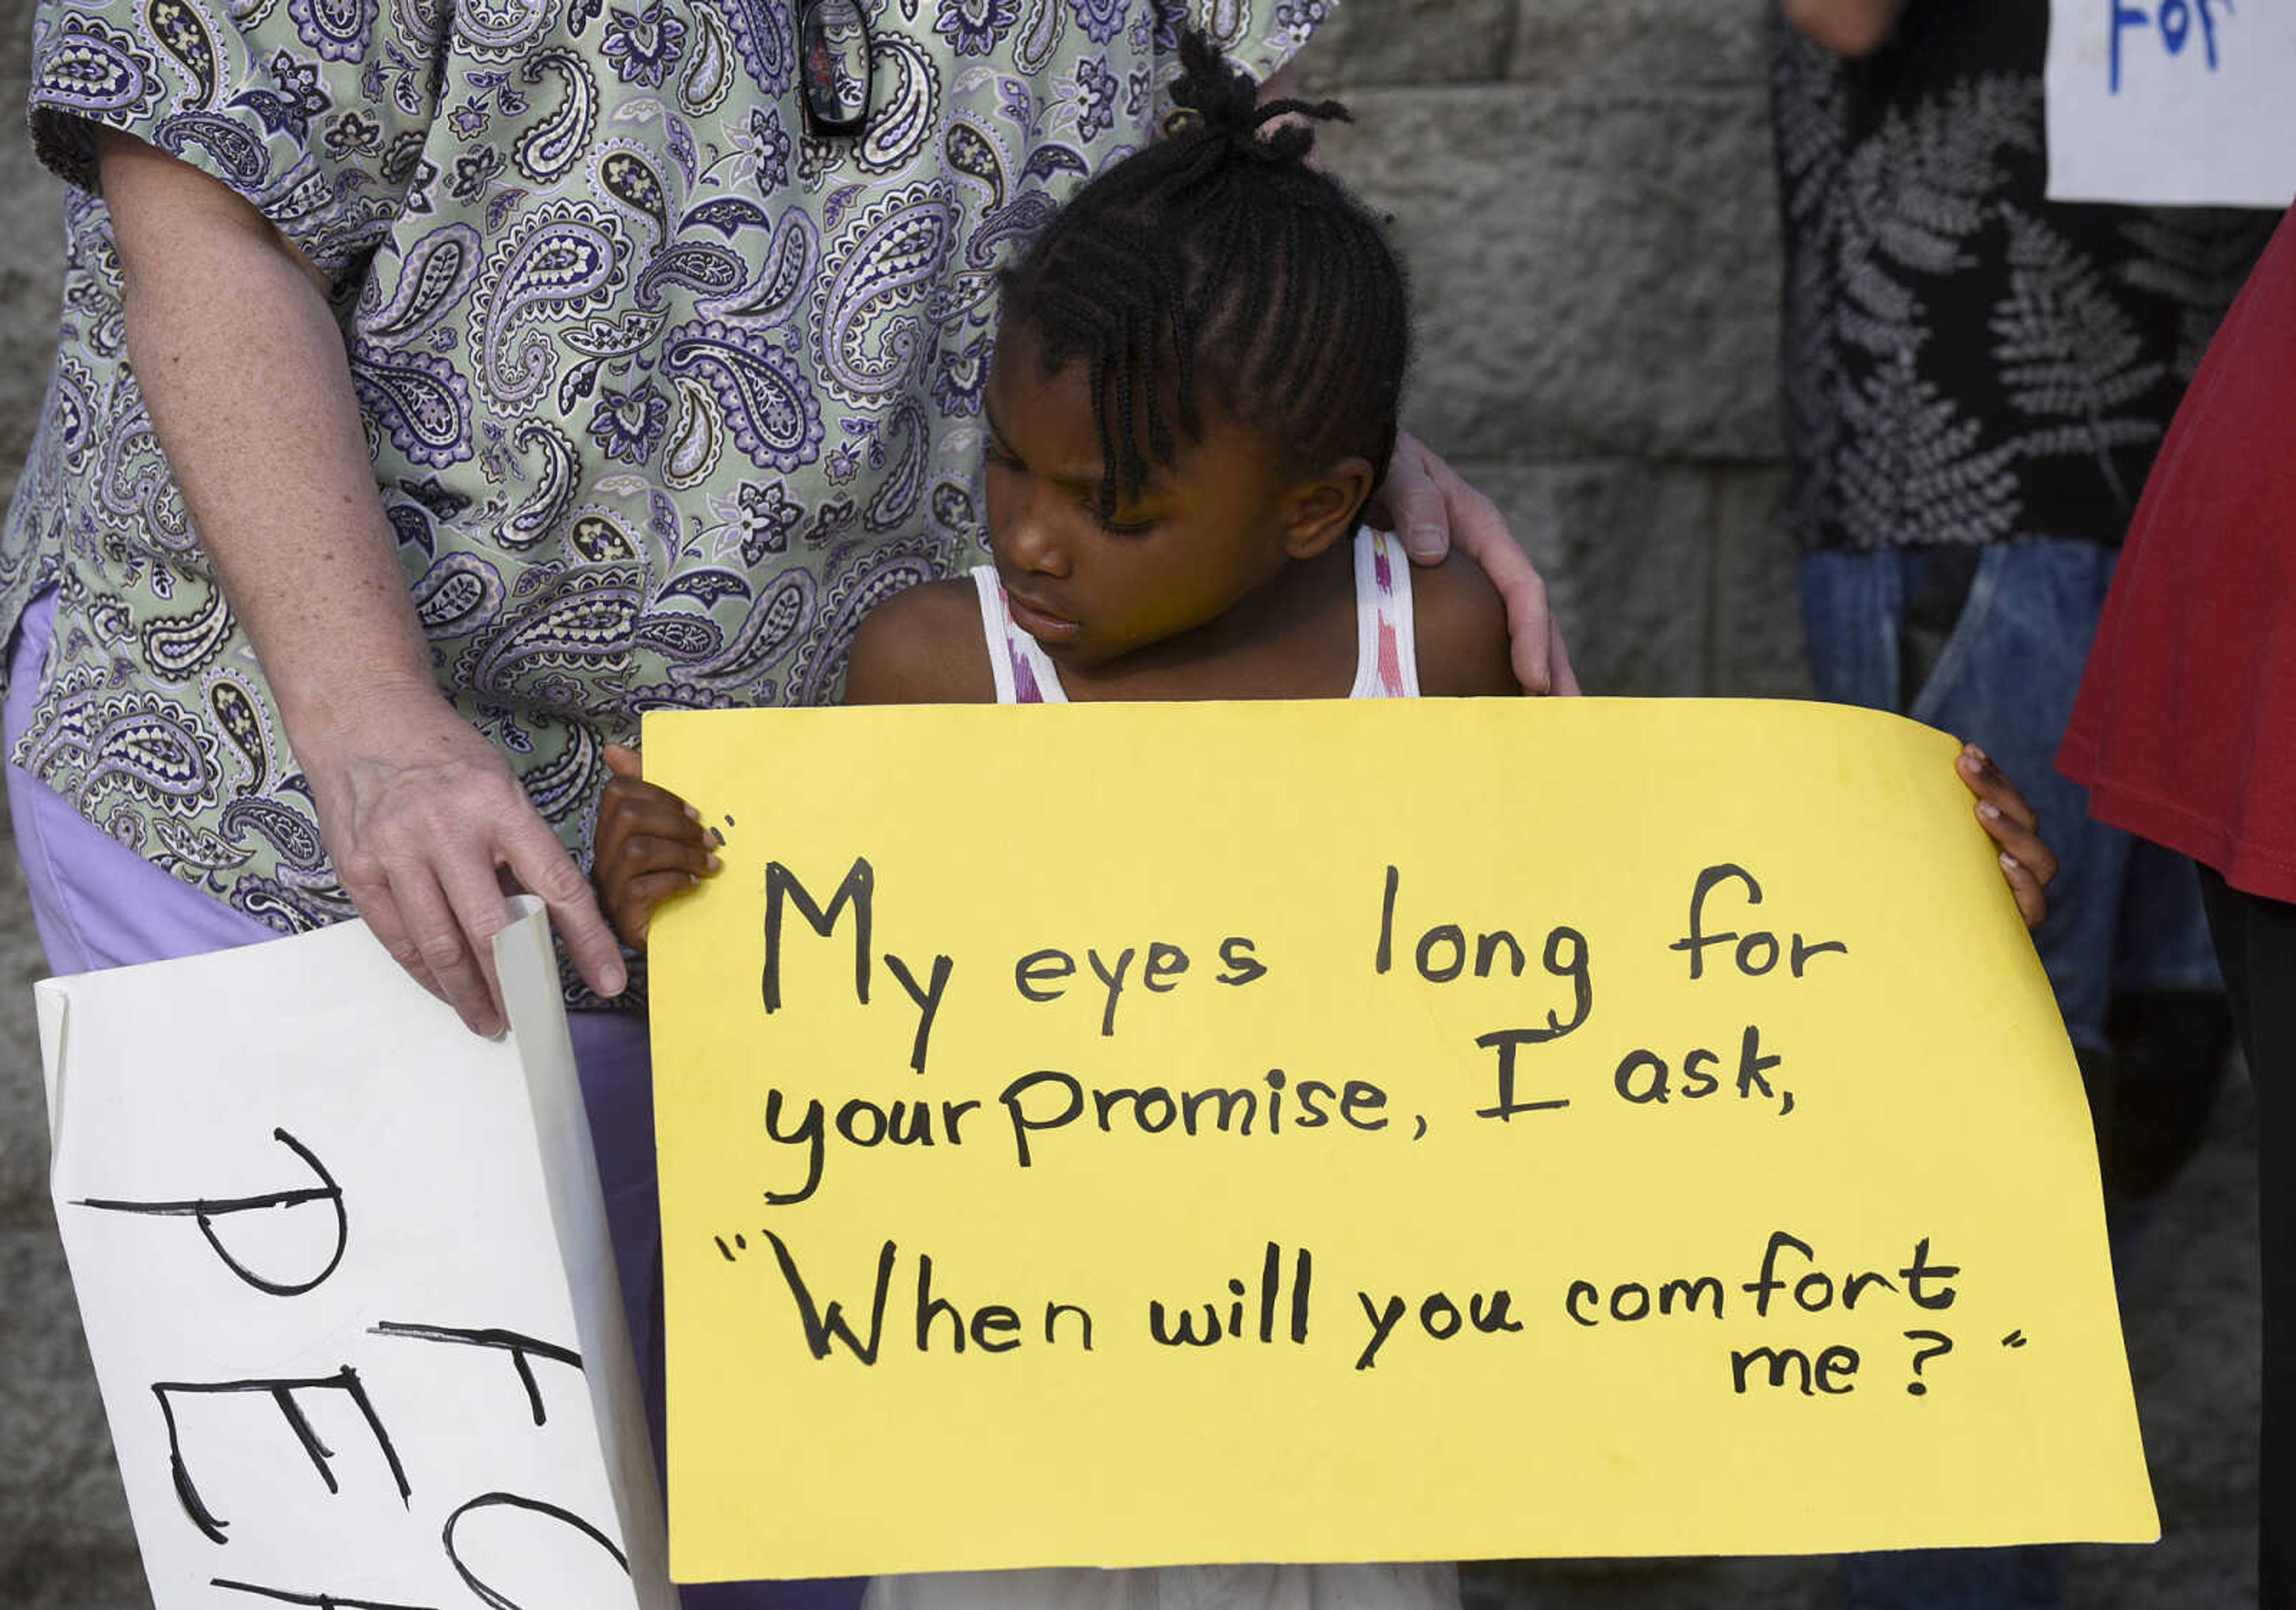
663,393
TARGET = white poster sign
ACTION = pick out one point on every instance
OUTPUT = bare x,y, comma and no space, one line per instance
344,1271
2173,102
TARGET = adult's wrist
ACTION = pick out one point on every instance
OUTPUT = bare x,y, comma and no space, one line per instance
359,712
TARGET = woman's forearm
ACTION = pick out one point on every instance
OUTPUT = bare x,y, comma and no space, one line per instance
249,391
243,370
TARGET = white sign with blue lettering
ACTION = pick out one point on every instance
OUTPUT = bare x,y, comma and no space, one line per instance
2173,102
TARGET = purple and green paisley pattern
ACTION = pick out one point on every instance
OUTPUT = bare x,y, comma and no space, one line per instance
664,393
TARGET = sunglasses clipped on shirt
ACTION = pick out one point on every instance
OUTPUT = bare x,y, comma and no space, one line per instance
833,58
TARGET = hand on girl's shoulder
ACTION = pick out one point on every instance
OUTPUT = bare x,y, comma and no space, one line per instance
1461,623
923,647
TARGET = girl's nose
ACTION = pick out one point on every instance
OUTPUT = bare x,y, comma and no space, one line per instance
1032,541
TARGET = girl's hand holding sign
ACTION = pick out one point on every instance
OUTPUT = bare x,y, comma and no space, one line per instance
651,845
2027,862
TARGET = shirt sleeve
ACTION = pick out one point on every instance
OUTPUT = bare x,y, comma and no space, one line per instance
315,111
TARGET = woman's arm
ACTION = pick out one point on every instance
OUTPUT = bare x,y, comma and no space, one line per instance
1846,28
242,365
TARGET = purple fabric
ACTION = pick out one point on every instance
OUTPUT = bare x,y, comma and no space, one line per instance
96,902
616,1062
99,904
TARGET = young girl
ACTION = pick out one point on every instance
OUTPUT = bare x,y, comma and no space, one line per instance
1197,375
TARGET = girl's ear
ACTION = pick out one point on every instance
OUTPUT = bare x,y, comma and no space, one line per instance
1319,512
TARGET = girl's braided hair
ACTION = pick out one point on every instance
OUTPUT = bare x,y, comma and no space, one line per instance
1217,258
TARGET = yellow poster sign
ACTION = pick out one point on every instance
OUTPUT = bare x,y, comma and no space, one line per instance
1150,1134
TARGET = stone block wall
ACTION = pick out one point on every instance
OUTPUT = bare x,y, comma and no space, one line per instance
64,1539
1583,188
31,248
1584,191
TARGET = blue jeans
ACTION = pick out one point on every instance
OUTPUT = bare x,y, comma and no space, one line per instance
2124,916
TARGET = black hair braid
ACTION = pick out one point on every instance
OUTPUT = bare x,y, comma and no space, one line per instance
1217,262
1127,363
1183,359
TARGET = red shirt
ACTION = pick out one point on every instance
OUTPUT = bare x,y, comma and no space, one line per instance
2186,729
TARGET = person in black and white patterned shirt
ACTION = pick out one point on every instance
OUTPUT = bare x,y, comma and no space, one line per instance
1976,380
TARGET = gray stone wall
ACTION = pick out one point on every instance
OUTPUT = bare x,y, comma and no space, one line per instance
64,1539
1584,190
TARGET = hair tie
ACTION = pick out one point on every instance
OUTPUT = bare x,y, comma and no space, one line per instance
1221,100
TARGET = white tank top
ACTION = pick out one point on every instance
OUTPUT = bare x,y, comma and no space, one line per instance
1387,650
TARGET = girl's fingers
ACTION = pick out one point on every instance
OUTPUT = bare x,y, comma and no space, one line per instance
650,793
2032,899
1985,779
634,902
2027,848
664,817
637,870
628,808
623,762
626,817
641,853
2028,864
640,872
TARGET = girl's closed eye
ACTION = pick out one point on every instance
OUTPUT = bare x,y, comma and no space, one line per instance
1120,527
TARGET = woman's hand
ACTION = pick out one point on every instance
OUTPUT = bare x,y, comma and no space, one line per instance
427,827
650,846
1424,502
2028,864
241,362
